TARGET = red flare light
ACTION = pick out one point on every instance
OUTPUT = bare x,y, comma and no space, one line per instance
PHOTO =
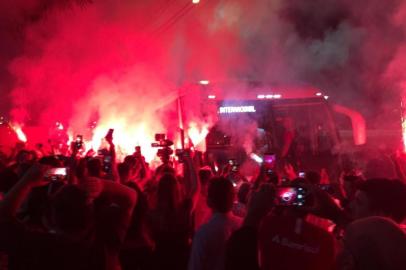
20,133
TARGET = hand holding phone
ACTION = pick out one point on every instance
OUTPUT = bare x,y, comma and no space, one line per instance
269,161
55,174
290,196
109,135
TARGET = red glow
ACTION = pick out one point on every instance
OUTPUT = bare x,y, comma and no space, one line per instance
404,130
197,135
20,133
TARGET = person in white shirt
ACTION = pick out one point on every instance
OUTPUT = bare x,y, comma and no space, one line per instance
209,242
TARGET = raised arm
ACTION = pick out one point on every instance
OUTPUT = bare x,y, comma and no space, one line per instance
122,199
16,196
192,183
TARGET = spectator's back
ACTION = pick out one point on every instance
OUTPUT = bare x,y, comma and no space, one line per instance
288,242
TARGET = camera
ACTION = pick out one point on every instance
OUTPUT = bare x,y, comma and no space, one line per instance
181,153
161,141
164,144
290,196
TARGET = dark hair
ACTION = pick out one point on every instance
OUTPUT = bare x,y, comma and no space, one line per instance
220,194
353,179
21,156
130,160
386,196
165,169
204,176
313,177
168,193
123,171
70,209
51,161
94,167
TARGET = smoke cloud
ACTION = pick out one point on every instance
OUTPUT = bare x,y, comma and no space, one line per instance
121,63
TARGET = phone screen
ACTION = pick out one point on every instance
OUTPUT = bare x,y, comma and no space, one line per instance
56,174
290,196
269,160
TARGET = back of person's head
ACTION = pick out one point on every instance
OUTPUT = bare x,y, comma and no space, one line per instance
243,192
204,175
94,167
164,169
23,156
220,195
50,161
385,197
130,160
381,167
168,192
313,177
70,209
35,206
123,171
353,179
375,243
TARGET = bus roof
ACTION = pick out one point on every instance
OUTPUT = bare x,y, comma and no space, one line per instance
244,91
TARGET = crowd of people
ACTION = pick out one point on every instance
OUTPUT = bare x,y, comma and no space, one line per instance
75,212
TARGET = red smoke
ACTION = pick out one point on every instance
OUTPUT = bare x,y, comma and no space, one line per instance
123,64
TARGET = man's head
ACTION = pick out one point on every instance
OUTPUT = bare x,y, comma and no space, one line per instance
94,167
373,243
350,185
164,169
380,197
168,194
124,170
220,195
204,176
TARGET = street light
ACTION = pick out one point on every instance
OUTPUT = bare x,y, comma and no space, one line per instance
204,82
